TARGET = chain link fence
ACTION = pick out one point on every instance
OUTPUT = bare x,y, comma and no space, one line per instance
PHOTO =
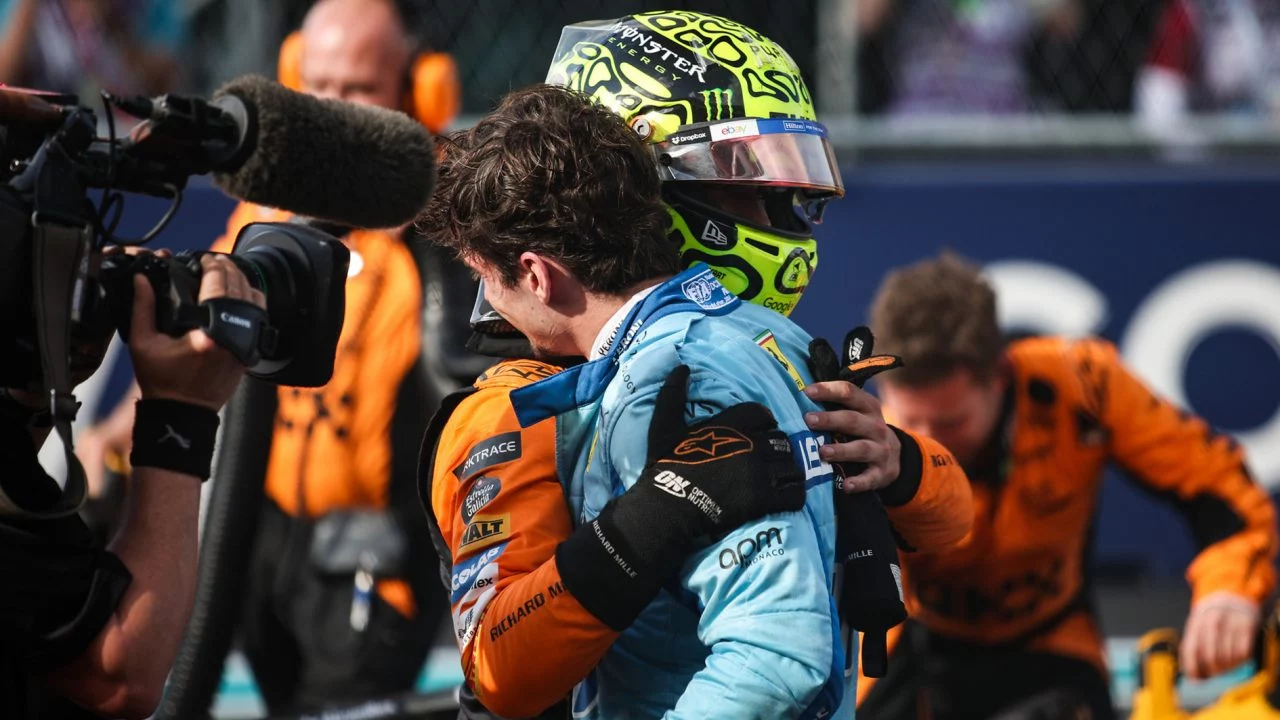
505,44
1193,77
1184,77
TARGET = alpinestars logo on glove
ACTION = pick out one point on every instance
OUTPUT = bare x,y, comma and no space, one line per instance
713,443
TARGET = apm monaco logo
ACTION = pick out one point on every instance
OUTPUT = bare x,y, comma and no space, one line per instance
766,543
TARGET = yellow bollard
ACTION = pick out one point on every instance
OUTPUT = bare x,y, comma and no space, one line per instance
1157,695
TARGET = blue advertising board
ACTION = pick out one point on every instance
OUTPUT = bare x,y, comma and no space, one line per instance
1179,266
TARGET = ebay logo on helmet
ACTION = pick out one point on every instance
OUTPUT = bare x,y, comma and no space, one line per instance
734,129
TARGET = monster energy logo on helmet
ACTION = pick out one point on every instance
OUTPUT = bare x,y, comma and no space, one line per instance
718,103
678,68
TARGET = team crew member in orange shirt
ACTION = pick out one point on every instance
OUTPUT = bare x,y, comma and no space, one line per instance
1005,616
346,450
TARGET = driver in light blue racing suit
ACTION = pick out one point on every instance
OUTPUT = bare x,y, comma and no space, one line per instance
751,630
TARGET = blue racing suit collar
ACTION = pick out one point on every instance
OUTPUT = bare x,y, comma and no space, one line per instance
694,290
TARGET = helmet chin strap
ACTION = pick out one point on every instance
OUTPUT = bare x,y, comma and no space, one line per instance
727,244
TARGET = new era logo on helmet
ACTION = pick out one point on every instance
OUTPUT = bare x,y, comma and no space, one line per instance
713,235
671,483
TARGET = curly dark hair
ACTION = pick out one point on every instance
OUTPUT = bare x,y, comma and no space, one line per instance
551,172
940,316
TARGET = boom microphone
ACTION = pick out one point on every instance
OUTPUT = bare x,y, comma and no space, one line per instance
352,164
30,106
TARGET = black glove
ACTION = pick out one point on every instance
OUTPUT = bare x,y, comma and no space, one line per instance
700,481
870,592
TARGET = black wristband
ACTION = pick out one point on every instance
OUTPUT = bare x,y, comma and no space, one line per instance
910,472
174,435
603,574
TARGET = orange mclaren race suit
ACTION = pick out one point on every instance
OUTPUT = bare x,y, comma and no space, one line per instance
1007,613
341,454
501,511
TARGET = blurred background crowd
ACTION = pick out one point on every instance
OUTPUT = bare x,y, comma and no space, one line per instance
894,64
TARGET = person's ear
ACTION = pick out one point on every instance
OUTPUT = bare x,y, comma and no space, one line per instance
538,276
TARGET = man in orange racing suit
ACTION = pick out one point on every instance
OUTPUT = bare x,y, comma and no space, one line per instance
1005,616
344,453
501,513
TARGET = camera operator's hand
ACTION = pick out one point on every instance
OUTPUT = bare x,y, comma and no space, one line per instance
183,383
191,368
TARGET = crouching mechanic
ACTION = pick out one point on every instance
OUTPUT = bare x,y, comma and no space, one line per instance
928,503
1006,616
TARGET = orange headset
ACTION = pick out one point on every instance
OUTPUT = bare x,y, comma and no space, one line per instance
432,96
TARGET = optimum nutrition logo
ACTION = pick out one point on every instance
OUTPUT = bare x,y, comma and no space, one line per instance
718,103
671,483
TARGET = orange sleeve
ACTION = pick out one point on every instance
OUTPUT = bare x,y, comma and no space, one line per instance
525,641
1201,472
940,512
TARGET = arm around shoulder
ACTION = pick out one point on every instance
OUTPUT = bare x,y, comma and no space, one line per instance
930,504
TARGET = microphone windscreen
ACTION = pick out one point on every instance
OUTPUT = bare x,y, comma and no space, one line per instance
353,164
